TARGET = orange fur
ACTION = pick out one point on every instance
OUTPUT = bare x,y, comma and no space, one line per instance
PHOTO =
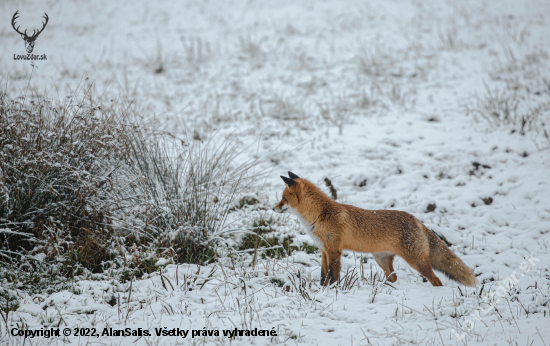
385,233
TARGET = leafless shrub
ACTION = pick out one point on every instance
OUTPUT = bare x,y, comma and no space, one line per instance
511,108
374,63
499,106
391,81
368,100
84,183
336,113
448,35
188,186
510,63
59,176
400,94
513,31
518,56
282,108
299,284
252,50
196,50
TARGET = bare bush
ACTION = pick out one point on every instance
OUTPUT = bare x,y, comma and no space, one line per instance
448,35
512,108
282,108
375,62
188,189
59,167
196,50
84,183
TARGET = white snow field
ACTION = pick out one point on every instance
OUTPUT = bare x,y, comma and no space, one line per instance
402,104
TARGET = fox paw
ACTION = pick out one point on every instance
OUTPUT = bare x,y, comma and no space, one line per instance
392,278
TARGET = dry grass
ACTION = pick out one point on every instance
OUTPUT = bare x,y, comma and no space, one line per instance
515,107
86,184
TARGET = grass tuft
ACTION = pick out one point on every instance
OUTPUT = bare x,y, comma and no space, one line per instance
88,186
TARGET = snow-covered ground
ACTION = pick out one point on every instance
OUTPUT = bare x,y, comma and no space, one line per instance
385,98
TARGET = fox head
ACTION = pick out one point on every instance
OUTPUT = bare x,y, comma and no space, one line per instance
290,199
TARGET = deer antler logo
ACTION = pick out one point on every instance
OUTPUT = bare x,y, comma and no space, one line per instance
29,40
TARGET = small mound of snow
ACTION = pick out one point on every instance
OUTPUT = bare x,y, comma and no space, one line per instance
303,258
162,262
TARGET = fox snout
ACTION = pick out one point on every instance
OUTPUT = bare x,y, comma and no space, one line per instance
280,208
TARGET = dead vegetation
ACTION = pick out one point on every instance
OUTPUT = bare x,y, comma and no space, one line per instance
86,184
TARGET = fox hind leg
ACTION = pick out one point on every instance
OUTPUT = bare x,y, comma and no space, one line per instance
424,266
385,261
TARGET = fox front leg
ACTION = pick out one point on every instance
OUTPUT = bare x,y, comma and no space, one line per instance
333,267
324,268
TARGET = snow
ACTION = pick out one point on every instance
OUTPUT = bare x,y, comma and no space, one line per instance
375,95
161,262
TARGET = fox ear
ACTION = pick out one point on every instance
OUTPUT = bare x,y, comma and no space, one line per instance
293,176
288,181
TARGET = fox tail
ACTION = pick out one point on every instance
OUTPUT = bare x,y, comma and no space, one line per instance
445,261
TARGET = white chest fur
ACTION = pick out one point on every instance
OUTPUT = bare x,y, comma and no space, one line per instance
310,230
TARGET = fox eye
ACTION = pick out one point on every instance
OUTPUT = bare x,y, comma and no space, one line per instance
284,199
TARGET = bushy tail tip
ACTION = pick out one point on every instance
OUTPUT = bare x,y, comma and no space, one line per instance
445,261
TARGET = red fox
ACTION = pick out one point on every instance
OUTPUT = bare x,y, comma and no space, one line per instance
384,233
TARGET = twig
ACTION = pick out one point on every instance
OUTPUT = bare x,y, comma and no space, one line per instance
438,332
511,314
366,337
540,336
325,308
